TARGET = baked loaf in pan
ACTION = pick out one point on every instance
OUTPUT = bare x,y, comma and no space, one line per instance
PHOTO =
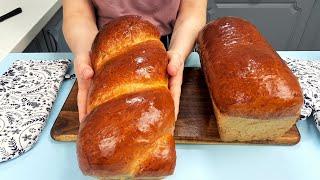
129,130
254,94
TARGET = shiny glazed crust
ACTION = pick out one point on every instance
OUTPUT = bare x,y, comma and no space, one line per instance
245,76
144,66
130,135
117,36
129,129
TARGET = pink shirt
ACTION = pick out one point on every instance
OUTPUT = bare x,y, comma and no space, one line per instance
161,13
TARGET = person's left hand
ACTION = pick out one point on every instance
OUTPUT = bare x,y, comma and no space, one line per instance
175,71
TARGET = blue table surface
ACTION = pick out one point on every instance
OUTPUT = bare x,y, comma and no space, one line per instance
53,160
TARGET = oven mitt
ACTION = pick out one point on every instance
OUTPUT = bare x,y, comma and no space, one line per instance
27,92
308,74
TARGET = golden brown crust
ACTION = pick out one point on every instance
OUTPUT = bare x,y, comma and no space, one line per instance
117,36
143,66
129,129
245,76
130,135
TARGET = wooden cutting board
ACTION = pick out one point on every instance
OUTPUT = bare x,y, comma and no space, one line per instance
196,123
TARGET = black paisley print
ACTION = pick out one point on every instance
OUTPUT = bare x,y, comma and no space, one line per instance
27,92
308,74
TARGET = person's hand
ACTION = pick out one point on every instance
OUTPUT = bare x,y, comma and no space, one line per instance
175,70
84,74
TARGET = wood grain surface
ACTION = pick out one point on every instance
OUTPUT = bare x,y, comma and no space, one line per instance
196,123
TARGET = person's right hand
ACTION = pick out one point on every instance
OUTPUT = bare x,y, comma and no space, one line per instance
84,74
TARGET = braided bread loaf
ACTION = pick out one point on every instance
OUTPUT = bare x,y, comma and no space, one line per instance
129,130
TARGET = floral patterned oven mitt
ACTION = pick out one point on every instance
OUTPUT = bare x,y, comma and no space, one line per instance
27,92
308,74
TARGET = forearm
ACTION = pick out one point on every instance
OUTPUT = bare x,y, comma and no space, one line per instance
79,26
79,35
191,19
